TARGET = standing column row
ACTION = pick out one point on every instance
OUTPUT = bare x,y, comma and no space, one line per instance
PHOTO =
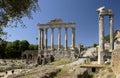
41,38
101,38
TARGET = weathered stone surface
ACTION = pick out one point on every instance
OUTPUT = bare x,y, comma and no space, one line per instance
116,62
102,11
50,74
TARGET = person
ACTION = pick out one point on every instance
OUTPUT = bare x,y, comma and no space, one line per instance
6,72
12,71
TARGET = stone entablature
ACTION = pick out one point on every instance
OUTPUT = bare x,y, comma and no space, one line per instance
57,23
56,26
104,12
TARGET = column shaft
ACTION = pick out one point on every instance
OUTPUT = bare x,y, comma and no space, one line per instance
59,38
111,33
66,38
42,39
73,38
39,41
52,39
46,38
101,40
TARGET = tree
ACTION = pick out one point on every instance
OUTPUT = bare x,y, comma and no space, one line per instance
9,50
24,45
107,38
13,49
33,47
16,44
2,48
94,45
11,11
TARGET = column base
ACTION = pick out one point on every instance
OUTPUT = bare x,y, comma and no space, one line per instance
101,57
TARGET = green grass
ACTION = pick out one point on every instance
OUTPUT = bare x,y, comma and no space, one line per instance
107,71
41,69
62,61
64,72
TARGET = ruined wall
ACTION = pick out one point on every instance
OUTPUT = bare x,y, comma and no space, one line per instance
116,62
30,56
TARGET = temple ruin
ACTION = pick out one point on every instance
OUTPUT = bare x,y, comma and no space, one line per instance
43,50
102,11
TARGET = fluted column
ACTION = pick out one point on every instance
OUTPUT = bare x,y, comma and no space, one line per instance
66,38
111,33
46,38
101,40
52,39
73,38
59,38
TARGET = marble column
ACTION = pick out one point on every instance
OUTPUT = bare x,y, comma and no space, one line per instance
101,40
46,38
59,38
52,39
66,38
111,33
73,38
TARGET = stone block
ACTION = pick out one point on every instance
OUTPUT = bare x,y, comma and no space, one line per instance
116,62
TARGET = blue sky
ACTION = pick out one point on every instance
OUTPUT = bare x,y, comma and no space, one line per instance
82,12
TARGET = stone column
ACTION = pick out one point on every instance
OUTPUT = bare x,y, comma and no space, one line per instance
73,38
66,38
46,38
39,41
59,38
101,40
52,39
42,39
111,33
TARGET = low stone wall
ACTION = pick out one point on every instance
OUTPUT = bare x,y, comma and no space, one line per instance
116,62
92,68
30,56
81,73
